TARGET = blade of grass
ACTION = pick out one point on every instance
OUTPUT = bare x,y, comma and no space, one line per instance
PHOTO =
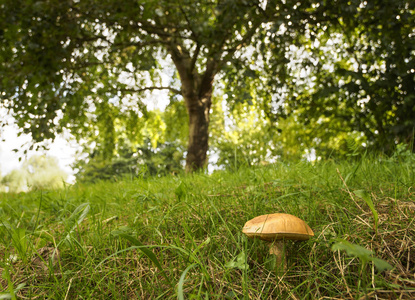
366,197
180,294
146,252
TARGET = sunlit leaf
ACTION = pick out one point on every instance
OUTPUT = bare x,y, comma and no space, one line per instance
238,262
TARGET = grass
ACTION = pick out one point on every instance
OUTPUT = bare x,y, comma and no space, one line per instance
180,237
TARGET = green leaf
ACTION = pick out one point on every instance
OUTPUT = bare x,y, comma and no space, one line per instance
181,191
238,262
380,264
363,254
122,230
366,197
352,249
180,294
78,215
20,242
204,243
82,210
76,218
146,251
11,294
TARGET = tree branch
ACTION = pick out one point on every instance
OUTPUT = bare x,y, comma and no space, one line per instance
208,76
150,88
163,31
239,45
194,58
198,46
188,23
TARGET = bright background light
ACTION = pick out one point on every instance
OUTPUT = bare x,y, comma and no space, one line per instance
9,159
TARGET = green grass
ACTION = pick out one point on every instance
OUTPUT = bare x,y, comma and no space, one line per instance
180,237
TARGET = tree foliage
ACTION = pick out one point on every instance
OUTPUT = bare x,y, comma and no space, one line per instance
144,161
38,172
89,62
311,74
362,70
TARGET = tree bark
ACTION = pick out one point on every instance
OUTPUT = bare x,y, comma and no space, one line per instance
198,110
196,90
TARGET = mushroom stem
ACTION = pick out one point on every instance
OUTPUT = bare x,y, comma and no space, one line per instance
277,248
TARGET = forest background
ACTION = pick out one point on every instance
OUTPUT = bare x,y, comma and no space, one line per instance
245,82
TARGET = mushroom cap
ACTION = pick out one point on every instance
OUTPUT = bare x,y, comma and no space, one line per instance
277,227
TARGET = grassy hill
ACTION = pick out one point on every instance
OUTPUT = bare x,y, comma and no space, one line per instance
180,237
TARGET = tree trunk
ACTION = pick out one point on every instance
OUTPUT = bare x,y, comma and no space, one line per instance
198,110
196,90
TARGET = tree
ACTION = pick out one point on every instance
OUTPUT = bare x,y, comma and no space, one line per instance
38,172
361,71
75,64
144,162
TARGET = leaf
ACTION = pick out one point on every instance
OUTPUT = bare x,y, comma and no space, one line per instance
204,243
181,191
145,251
363,254
381,265
122,230
366,197
238,262
74,220
9,295
20,286
83,209
180,294
351,249
353,173
20,242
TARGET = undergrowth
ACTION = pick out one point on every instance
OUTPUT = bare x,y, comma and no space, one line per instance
180,237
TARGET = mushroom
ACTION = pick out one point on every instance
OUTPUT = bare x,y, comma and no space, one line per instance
275,228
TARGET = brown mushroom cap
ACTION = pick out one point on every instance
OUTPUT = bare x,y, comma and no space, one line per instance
276,227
